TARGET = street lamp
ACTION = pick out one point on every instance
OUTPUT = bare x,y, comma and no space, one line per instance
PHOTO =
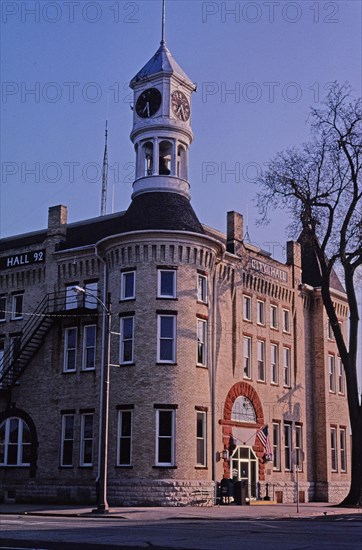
101,483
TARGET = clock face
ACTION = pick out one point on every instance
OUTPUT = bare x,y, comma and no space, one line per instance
180,105
148,102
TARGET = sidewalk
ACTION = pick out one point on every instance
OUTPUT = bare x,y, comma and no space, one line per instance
231,512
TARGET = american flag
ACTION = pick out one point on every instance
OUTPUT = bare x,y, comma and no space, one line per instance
263,435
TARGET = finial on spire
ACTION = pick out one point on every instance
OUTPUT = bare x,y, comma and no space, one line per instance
163,41
105,175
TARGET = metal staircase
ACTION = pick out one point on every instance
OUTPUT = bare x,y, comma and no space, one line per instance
21,352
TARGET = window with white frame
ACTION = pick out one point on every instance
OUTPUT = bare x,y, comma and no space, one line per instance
330,331
299,445
166,283
128,285
286,366
341,386
287,446
273,316
247,308
201,342
67,440
260,312
90,295
202,288
243,410
274,360
286,320
200,438
165,437
89,347
166,352
124,451
71,297
126,340
261,360
342,449
86,439
2,308
70,349
15,442
14,346
332,373
334,461
247,357
17,306
276,446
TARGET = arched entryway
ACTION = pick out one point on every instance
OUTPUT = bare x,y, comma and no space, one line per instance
243,416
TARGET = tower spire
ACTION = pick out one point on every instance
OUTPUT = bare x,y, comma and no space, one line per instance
163,41
104,175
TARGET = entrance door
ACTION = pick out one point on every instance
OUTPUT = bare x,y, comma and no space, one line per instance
244,466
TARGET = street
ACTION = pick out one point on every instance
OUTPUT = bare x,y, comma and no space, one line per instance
71,533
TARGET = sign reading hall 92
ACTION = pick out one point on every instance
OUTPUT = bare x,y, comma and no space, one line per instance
22,260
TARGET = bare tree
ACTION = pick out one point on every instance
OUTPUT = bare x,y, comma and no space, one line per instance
320,185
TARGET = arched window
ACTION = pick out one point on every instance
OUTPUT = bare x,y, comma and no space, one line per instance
165,158
181,162
15,443
148,158
243,410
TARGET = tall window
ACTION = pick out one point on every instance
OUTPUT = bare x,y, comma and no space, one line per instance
89,347
124,452
128,285
2,308
260,310
334,463
286,367
276,446
15,443
342,449
165,437
286,320
201,438
287,446
261,360
201,342
273,316
274,354
14,346
330,331
70,349
332,373
2,353
91,291
71,297
166,339
202,288
340,376
86,440
299,445
166,283
247,308
247,357
126,340
17,306
67,440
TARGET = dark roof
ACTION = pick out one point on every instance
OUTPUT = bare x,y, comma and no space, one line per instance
149,211
24,240
311,271
161,61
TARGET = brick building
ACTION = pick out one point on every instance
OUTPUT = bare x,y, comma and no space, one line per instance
211,341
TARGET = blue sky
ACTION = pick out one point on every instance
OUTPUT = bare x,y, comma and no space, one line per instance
258,65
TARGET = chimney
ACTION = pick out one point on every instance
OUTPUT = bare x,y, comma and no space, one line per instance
57,220
234,232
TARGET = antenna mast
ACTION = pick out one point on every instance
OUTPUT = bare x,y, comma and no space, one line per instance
163,22
104,175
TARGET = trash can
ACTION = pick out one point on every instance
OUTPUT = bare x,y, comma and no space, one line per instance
227,490
240,492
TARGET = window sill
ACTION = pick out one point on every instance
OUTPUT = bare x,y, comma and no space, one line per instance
17,319
172,298
163,467
88,370
261,381
201,366
201,467
274,383
202,302
133,364
165,363
125,300
247,320
69,371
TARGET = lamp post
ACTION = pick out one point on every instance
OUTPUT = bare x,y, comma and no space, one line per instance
102,504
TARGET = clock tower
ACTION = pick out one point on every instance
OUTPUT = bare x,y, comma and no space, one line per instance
161,131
